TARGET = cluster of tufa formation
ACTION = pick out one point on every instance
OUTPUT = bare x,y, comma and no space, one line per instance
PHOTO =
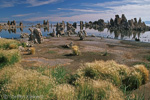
70,29
11,26
60,27
82,34
123,23
119,23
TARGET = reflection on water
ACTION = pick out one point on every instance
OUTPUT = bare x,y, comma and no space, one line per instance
102,32
12,30
46,29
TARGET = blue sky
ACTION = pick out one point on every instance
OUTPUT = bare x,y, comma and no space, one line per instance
72,10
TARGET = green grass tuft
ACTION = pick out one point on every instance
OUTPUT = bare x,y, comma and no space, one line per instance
59,73
147,57
52,52
9,44
8,57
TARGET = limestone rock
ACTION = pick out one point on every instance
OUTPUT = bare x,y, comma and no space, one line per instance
36,35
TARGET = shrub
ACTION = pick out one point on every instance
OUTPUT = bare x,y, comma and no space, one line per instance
64,92
8,57
75,50
97,90
144,72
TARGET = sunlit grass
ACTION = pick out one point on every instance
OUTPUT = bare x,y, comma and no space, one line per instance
144,72
109,70
119,75
25,82
65,92
89,89
97,80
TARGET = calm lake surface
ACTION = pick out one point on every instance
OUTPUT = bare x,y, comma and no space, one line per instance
125,35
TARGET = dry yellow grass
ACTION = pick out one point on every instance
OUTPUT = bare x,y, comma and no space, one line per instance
4,43
145,73
13,46
98,90
32,51
65,92
25,82
75,50
128,55
7,72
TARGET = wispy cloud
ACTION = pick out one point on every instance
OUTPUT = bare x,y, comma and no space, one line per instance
34,3
6,3
88,12
131,8
74,18
79,10
106,4
107,10
22,15
31,3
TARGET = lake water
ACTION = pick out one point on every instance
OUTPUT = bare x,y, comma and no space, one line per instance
125,35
